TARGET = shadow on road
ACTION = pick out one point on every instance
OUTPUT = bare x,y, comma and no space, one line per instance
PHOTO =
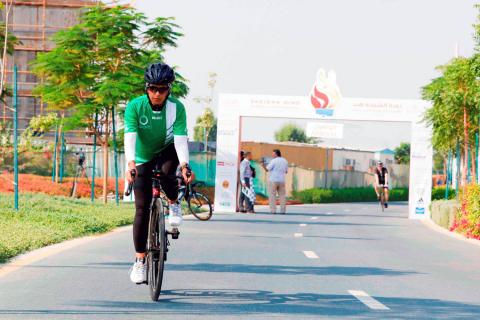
342,238
256,221
245,268
289,270
258,302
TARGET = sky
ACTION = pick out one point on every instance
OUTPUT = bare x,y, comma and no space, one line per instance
378,48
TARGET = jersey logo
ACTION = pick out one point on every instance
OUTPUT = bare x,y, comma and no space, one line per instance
143,120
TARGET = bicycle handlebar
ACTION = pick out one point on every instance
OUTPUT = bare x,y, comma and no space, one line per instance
159,175
133,173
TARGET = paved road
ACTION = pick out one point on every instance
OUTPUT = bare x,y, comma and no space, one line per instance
323,261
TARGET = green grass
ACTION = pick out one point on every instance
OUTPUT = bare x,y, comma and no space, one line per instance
44,220
346,195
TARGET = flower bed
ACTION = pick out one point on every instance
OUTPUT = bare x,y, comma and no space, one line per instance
42,184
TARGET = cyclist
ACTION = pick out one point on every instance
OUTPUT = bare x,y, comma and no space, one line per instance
155,134
381,181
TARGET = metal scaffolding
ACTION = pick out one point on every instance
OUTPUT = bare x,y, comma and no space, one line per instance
33,23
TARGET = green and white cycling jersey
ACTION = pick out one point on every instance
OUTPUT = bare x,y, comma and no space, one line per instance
152,131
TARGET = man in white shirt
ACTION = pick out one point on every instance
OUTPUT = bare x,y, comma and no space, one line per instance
278,168
246,180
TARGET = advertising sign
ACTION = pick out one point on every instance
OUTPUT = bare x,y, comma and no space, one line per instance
324,130
323,102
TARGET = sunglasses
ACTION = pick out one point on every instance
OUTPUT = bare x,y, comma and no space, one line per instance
160,90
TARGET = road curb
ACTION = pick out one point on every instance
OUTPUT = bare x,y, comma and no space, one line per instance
433,226
45,252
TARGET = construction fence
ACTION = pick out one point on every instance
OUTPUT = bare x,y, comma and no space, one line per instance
204,166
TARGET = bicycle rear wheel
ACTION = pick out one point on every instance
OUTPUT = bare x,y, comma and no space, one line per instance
200,206
157,248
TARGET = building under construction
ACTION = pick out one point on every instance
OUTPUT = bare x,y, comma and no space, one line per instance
33,22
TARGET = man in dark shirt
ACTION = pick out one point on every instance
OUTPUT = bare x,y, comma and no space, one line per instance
381,181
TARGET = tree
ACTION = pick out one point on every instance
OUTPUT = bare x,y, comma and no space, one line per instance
8,42
291,132
439,162
38,126
205,127
98,65
402,153
455,97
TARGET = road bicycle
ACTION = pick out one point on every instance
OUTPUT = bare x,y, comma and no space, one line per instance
157,242
198,203
381,198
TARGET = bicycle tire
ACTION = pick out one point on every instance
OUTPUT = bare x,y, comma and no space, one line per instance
382,201
157,249
201,201
164,199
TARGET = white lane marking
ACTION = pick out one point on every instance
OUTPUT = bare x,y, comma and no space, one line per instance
303,224
368,300
314,218
310,254
329,213
347,210
298,235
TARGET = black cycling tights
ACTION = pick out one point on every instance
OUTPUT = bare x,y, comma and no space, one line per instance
168,163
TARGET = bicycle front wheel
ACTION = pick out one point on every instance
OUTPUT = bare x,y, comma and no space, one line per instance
157,248
200,206
382,201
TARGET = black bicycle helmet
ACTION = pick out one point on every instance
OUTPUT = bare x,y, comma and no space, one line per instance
159,73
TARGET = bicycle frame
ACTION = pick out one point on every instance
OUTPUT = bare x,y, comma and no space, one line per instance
382,195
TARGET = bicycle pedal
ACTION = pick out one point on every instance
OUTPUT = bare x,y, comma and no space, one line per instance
174,233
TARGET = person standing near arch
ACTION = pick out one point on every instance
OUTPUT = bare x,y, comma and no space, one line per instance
278,169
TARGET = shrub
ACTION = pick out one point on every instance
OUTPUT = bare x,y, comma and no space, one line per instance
346,195
438,193
444,212
467,220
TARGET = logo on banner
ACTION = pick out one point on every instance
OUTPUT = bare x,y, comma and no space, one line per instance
420,207
225,164
225,184
225,199
226,132
325,94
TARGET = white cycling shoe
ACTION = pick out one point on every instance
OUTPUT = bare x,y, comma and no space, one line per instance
138,273
175,215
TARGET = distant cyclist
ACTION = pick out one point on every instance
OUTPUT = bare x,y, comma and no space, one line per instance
155,134
381,181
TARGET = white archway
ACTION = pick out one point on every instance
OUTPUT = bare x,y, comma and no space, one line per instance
233,106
